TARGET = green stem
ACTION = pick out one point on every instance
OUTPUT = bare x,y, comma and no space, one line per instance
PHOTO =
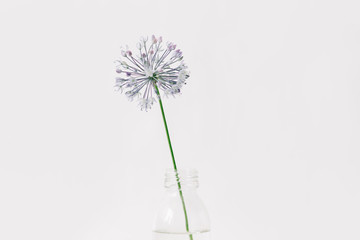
173,160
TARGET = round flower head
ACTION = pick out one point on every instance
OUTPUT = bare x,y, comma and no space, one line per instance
154,67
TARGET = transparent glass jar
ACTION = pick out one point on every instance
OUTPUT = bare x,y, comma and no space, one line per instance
182,214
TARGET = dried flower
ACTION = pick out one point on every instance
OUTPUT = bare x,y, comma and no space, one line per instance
154,65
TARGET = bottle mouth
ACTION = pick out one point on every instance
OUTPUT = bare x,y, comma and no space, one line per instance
182,178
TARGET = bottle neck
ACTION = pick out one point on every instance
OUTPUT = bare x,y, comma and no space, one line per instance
184,179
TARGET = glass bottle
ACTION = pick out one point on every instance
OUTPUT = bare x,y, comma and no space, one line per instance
182,215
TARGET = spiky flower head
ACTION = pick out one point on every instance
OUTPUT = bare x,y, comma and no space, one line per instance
156,66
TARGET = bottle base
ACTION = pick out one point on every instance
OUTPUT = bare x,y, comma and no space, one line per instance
181,236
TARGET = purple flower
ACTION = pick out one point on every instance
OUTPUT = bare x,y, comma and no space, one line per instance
153,65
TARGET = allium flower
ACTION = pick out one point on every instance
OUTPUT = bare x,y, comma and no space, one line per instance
154,67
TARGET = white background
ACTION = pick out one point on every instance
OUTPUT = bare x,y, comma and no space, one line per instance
270,117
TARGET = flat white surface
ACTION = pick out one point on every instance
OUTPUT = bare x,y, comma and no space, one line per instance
270,117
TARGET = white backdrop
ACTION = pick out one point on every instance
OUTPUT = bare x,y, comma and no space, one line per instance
270,117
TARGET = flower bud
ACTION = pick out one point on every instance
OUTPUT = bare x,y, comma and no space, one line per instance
154,40
170,46
144,39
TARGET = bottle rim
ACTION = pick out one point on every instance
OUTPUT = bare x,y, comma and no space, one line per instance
191,171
